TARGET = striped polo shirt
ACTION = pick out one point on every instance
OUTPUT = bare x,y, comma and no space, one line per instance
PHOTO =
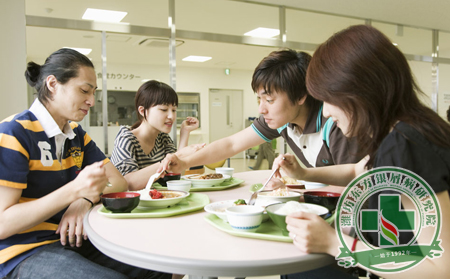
309,144
29,162
128,155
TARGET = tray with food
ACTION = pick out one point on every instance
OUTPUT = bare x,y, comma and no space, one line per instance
273,229
192,202
210,184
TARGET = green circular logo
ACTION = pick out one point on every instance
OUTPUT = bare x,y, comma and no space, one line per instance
395,228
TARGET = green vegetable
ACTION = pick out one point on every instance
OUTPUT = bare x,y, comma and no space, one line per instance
240,202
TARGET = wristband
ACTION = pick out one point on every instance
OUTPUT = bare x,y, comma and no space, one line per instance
92,204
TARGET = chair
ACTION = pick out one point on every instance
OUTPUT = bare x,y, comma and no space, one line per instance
195,170
215,165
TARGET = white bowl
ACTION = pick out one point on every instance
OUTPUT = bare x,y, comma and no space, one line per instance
312,185
205,182
219,208
265,196
179,185
246,218
225,171
146,201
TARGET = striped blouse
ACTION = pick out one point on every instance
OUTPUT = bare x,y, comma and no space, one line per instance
128,155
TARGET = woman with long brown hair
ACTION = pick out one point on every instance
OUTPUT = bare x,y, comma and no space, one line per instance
368,89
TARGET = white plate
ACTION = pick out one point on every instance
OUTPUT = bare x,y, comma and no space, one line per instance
312,185
205,182
218,208
161,203
267,198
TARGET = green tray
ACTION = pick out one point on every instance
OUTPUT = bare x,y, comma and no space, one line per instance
225,185
267,231
255,187
194,202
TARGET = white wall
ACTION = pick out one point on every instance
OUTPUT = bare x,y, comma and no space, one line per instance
13,57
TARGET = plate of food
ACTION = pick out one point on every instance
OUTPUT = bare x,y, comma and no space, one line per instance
279,195
219,208
161,198
233,182
206,180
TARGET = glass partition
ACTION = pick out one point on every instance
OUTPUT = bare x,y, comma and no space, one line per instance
409,40
444,44
444,90
422,75
315,28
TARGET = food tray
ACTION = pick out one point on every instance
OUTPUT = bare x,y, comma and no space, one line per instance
194,202
257,186
267,231
224,185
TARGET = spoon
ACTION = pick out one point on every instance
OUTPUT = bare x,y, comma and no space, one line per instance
255,194
145,193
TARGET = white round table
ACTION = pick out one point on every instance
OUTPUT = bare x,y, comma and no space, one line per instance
187,244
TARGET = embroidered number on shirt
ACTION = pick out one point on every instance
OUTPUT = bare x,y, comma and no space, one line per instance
46,155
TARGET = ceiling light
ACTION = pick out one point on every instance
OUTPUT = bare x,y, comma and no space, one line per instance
84,51
103,15
262,32
193,58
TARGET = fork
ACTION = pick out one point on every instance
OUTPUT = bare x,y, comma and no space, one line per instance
255,194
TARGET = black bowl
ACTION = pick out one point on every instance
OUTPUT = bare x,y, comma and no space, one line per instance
167,177
120,202
327,199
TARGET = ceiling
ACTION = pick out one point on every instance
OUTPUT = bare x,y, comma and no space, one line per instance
231,18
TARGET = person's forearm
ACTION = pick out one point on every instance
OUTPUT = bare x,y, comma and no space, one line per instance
224,148
184,139
23,216
117,181
137,180
339,175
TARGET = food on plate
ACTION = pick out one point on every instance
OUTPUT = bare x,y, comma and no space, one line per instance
294,206
290,181
240,202
207,176
155,194
280,192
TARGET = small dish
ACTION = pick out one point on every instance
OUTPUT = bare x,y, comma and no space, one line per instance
206,182
245,217
120,202
323,198
219,209
226,171
179,185
169,177
175,197
267,197
312,185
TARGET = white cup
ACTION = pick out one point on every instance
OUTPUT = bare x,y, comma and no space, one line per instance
179,185
226,171
246,218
